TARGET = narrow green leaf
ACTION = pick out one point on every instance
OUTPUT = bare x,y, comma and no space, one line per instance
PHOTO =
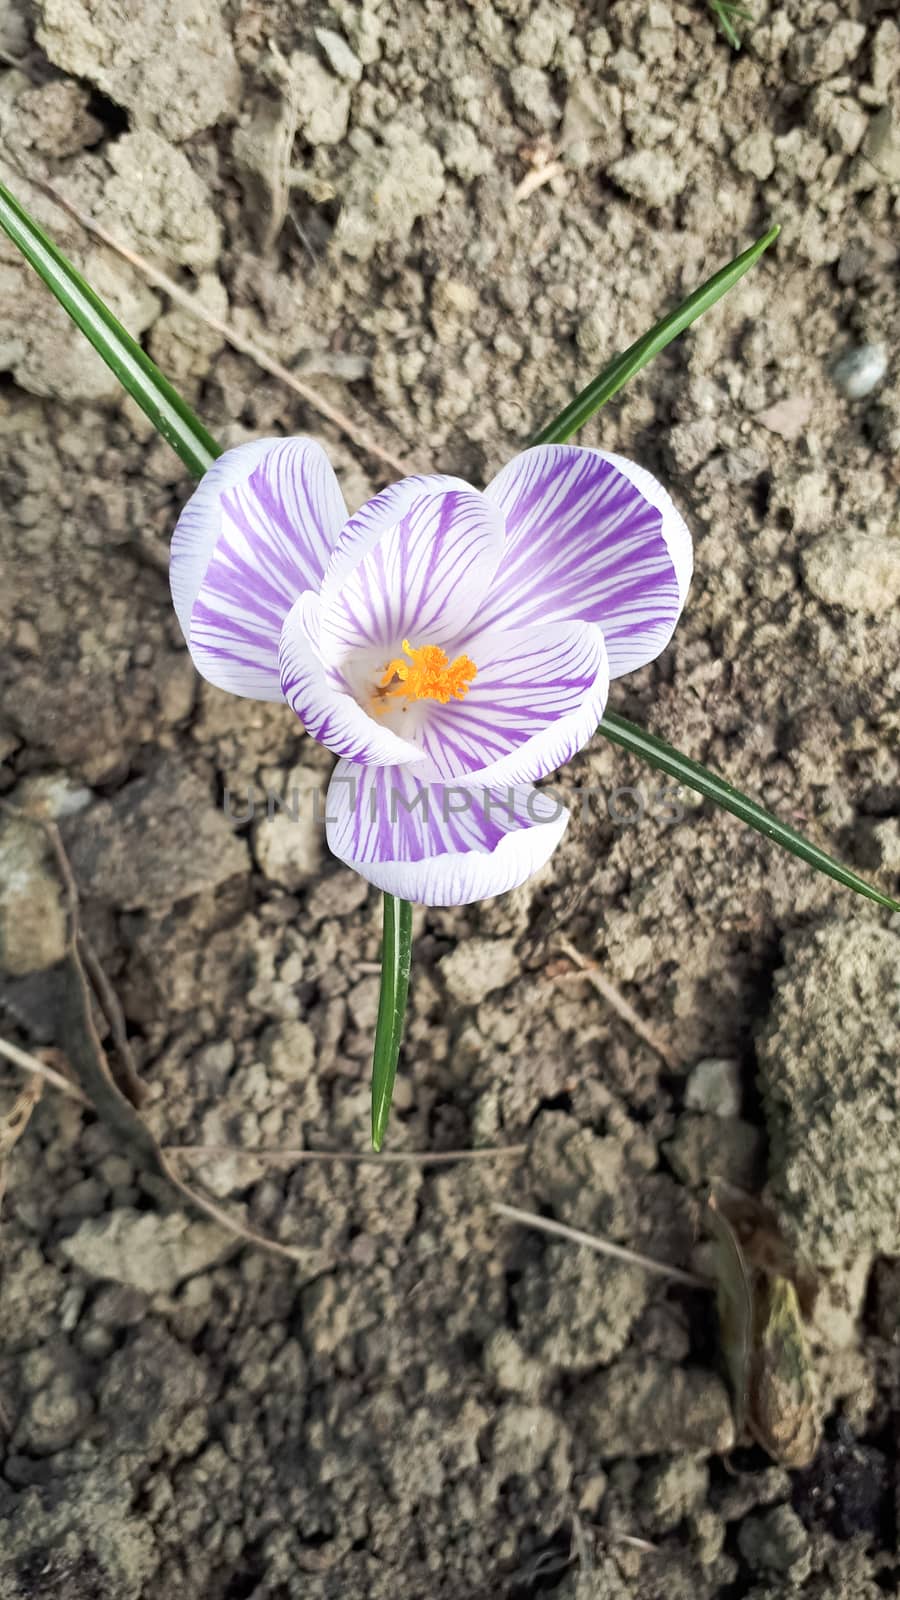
618,371
725,11
665,759
123,355
610,380
396,956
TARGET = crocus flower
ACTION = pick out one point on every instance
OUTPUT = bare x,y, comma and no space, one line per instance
451,646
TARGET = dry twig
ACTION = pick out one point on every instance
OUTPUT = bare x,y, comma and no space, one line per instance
30,1063
603,1247
13,1125
360,437
620,1005
290,1158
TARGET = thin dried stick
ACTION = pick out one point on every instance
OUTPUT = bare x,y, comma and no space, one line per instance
13,1125
536,179
290,1158
89,1061
106,994
112,1010
363,440
30,1063
620,1005
612,1536
603,1247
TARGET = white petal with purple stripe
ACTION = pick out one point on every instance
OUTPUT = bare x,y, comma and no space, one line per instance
321,697
436,843
413,563
536,701
258,530
589,535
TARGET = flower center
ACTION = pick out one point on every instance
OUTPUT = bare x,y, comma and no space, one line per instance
427,675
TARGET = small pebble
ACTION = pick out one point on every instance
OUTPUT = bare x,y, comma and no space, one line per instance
858,372
714,1085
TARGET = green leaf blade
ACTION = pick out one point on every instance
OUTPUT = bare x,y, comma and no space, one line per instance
624,367
138,375
396,958
664,758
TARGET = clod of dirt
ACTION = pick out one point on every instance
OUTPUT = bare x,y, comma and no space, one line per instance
828,1072
39,343
289,843
881,145
649,175
387,187
322,101
32,915
672,1490
824,51
706,1147
479,966
529,1439
643,1407
155,1389
68,1546
171,65
56,118
576,1310
147,1251
859,572
159,840
56,1407
183,346
777,1542
157,202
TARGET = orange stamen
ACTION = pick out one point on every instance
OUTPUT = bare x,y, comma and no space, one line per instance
428,674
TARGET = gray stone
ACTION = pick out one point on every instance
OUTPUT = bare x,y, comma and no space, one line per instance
714,1085
289,1049
39,343
340,57
860,371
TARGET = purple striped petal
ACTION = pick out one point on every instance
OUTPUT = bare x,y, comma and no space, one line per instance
321,696
592,536
439,844
413,563
536,700
257,531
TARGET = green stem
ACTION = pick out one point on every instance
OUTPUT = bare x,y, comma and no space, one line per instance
396,956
